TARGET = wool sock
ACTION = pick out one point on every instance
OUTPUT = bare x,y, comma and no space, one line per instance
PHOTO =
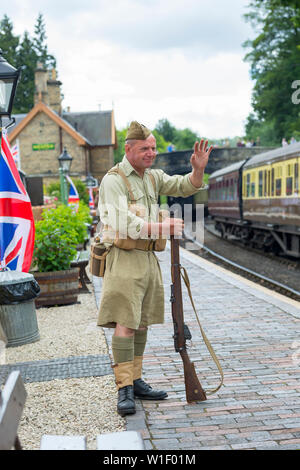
122,348
140,339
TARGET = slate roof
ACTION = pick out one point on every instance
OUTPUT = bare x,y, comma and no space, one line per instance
95,127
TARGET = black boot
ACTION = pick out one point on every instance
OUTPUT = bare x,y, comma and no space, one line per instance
144,391
126,403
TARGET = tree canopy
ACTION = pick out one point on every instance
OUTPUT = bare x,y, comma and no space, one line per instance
24,53
275,64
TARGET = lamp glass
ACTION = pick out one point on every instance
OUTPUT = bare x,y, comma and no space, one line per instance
65,161
6,87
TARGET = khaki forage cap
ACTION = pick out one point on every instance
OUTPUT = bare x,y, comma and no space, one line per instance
137,131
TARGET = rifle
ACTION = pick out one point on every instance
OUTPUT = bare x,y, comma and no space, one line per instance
193,388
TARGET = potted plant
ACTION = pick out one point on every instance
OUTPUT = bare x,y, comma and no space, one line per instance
56,238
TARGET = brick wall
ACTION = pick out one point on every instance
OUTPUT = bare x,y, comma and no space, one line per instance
41,129
102,159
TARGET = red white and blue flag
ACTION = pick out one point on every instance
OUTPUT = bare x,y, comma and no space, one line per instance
91,199
73,194
16,220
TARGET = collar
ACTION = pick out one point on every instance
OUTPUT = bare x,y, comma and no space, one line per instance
128,168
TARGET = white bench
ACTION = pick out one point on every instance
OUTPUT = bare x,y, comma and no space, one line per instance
125,440
12,401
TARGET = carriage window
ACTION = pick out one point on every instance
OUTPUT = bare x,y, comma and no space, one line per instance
265,183
227,190
252,189
260,184
289,186
278,187
272,182
248,185
231,190
296,174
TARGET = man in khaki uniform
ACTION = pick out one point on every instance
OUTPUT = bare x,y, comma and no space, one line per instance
132,292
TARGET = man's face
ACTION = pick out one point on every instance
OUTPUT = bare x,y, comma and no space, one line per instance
142,153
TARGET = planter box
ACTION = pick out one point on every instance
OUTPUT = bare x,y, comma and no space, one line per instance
57,287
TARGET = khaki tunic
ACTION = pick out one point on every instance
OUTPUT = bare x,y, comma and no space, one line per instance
132,290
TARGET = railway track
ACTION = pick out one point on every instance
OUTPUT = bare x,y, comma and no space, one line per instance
282,276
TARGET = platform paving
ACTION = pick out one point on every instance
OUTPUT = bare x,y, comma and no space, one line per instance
256,336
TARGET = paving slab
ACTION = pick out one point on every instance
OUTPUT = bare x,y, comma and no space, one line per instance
255,334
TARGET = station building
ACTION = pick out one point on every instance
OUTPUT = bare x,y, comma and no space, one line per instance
42,134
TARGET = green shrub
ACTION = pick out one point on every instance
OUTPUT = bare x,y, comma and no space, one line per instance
53,189
67,219
57,235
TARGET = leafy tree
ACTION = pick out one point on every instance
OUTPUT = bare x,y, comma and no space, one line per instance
161,144
26,60
8,41
25,54
263,129
275,65
53,189
185,139
40,45
119,152
166,130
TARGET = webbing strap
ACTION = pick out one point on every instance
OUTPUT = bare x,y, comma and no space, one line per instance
117,169
185,277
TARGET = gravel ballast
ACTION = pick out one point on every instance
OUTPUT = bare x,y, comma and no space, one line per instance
72,406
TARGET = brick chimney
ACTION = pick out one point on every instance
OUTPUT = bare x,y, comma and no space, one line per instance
54,93
40,80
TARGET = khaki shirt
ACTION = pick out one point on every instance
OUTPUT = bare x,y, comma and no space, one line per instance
114,197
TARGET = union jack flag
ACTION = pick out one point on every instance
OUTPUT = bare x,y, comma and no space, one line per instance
15,151
73,194
16,220
91,199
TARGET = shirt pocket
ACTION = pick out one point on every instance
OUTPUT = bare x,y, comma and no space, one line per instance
138,207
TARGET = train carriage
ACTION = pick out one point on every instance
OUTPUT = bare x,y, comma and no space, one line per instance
258,200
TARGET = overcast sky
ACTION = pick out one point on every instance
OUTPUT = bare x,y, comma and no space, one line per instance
149,59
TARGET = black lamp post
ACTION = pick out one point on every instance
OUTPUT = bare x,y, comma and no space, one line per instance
65,161
91,182
9,77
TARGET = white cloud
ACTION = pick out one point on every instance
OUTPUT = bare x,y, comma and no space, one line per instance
164,58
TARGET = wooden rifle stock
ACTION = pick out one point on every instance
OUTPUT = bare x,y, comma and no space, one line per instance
193,388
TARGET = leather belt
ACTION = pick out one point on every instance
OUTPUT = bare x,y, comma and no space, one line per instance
145,245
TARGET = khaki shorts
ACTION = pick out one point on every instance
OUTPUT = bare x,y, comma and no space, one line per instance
132,290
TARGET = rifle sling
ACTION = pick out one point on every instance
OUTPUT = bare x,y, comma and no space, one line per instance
185,277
